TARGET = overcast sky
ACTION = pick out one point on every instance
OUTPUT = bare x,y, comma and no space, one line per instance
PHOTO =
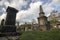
28,9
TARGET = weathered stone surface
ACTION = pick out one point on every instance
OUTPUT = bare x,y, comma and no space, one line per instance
42,21
3,38
9,38
9,29
11,16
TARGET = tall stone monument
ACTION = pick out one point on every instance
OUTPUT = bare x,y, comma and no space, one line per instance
9,28
42,20
11,16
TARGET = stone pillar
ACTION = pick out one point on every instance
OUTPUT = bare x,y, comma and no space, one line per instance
9,29
11,16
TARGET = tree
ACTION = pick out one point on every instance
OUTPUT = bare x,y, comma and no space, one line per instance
53,22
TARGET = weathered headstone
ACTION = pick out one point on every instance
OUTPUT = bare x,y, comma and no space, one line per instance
10,20
11,16
9,28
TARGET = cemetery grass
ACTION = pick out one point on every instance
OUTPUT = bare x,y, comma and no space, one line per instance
41,35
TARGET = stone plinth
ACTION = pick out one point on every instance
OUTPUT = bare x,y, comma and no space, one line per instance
8,30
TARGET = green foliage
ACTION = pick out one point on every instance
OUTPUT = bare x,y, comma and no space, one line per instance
41,35
53,22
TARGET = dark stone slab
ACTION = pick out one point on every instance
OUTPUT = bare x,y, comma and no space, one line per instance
11,16
8,28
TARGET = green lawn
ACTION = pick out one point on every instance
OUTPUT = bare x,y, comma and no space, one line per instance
41,35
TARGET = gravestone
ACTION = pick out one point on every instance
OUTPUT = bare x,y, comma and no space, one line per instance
9,29
11,16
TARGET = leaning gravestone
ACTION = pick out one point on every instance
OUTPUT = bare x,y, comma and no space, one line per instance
9,29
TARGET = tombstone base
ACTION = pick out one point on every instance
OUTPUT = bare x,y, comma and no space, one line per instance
8,30
9,34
